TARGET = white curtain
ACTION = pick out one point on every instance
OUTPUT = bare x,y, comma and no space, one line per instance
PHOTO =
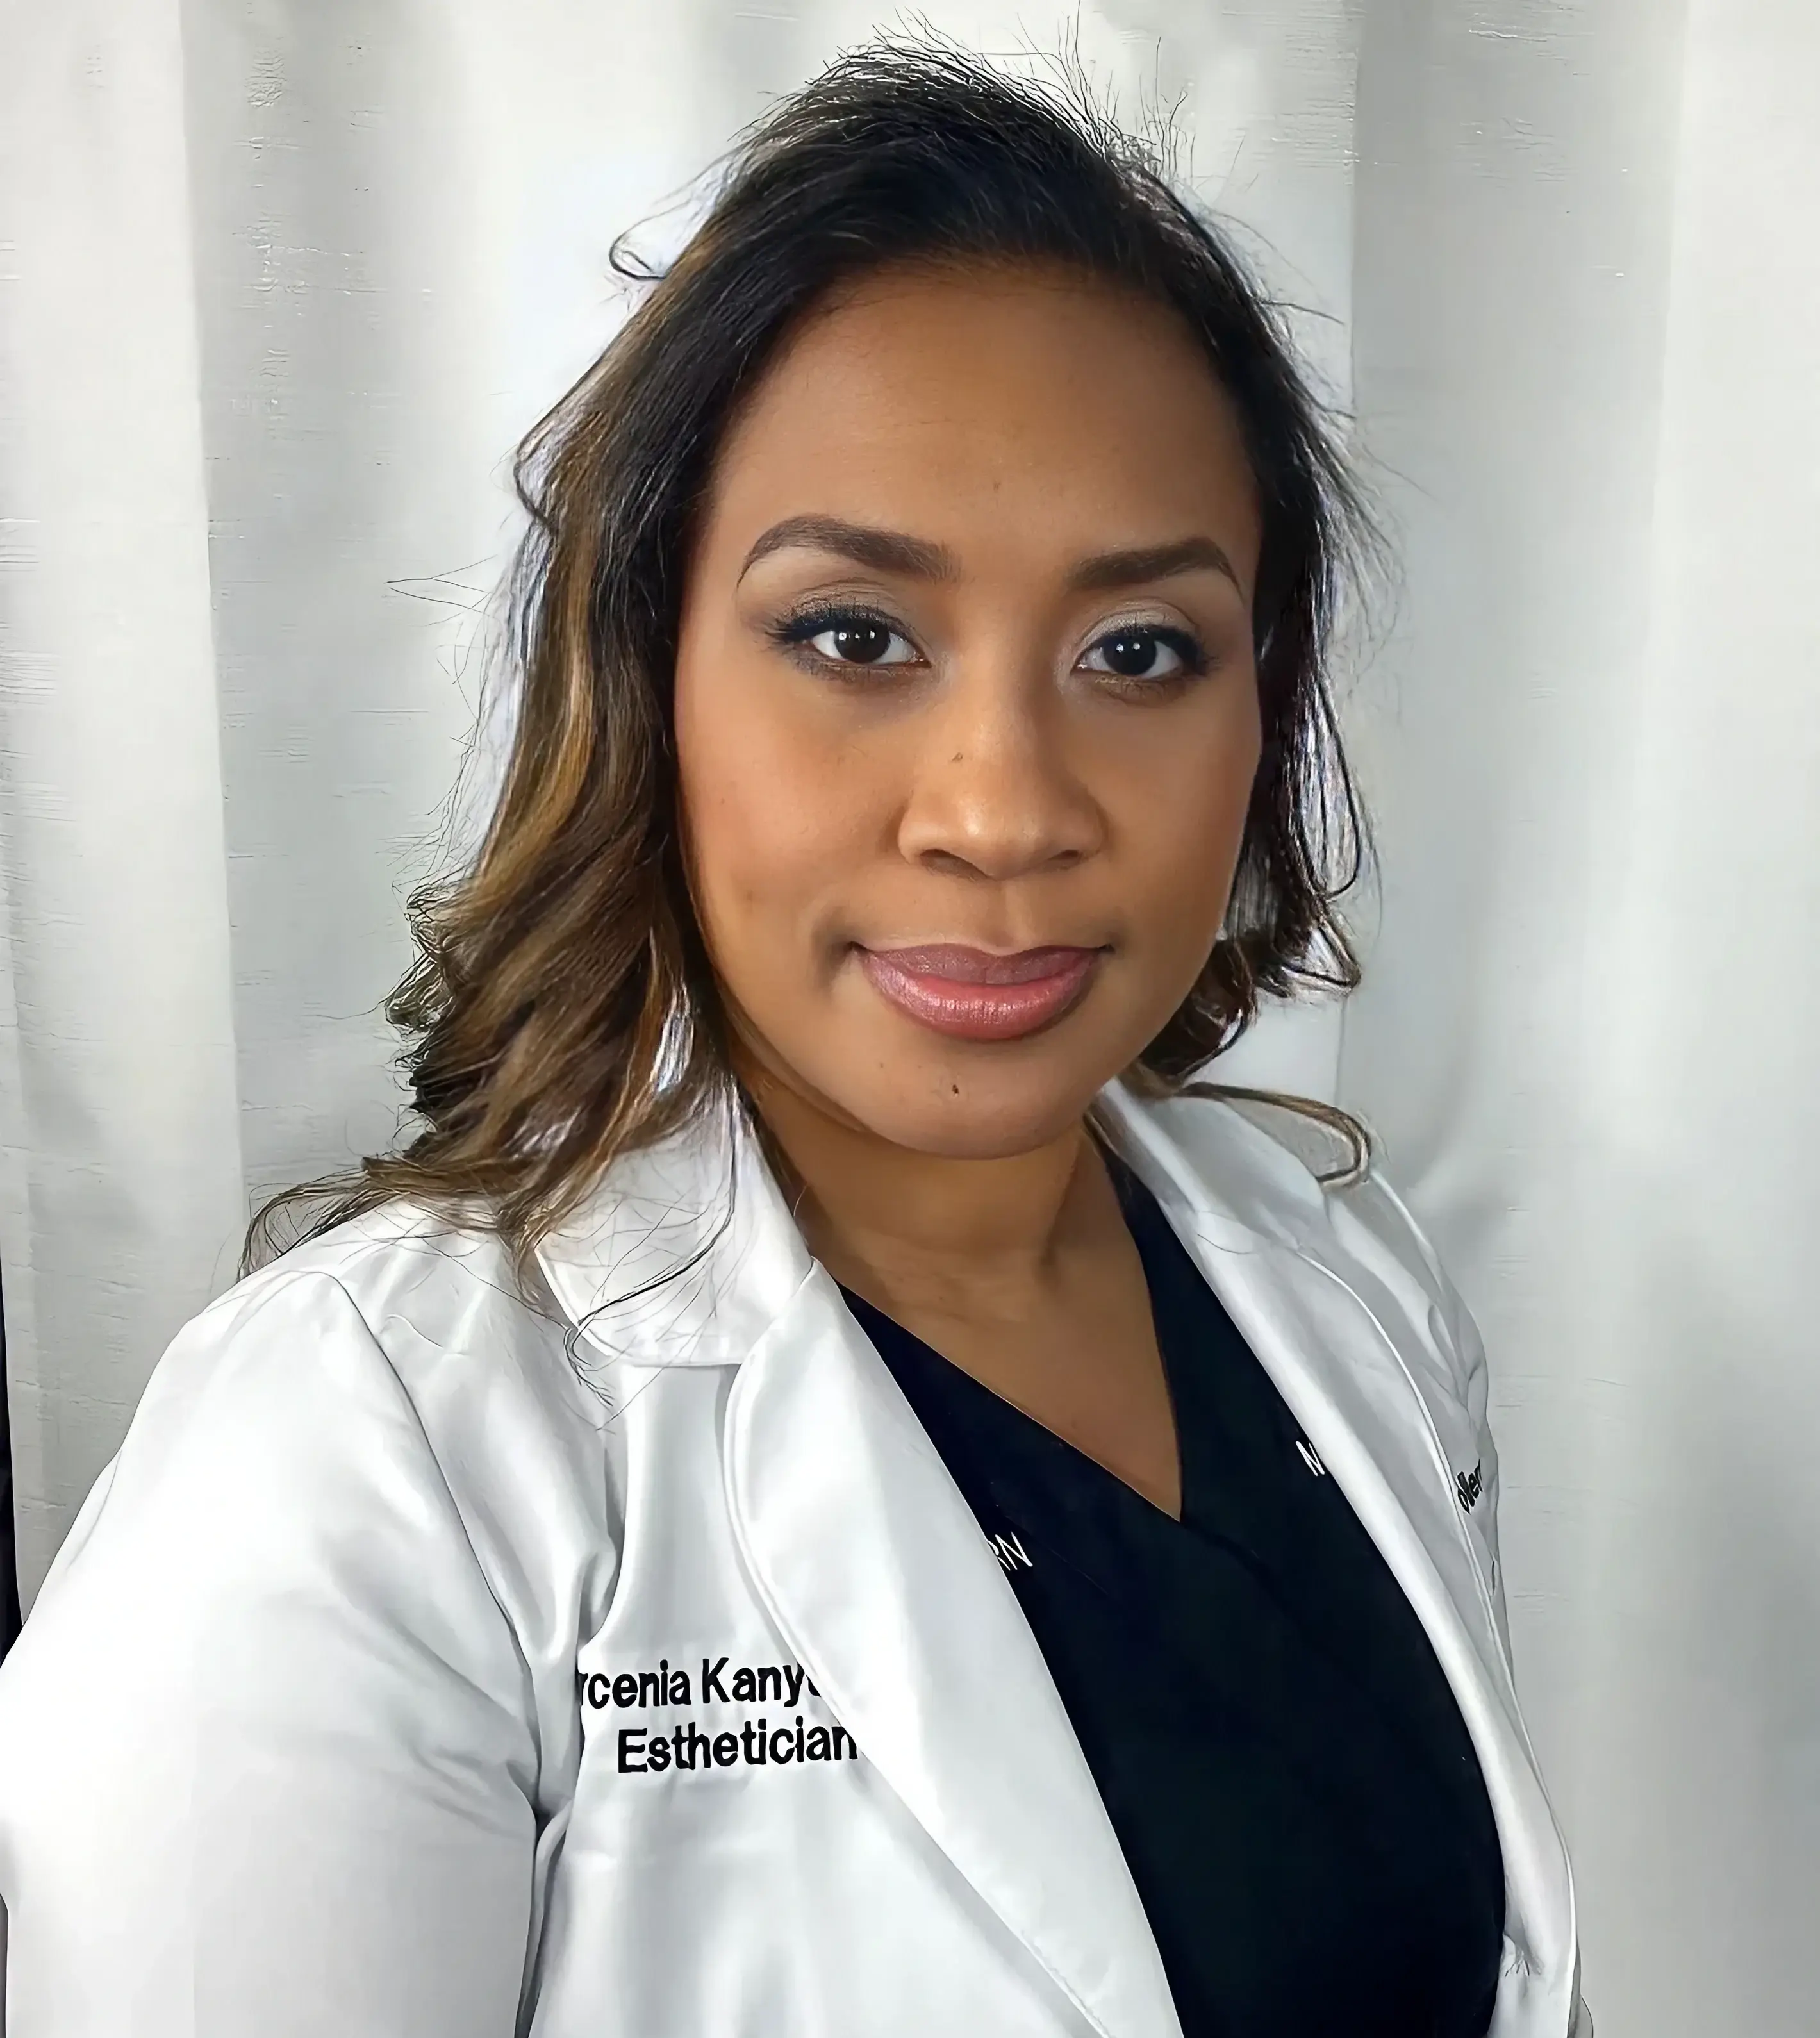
281,284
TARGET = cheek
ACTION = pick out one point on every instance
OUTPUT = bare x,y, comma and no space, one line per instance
770,818
1182,821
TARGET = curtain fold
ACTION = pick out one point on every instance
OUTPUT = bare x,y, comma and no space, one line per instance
121,1185
1587,305
9,1613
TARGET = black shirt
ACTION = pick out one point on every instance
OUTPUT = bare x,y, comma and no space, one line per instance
1279,1752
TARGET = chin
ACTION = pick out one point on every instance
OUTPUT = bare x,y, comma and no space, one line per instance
968,1112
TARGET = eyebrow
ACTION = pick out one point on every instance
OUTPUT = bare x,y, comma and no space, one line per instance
897,552
1153,563
887,551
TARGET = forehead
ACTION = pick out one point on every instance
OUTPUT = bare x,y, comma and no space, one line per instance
934,399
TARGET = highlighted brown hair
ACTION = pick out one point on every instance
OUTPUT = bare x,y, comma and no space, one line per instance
561,1009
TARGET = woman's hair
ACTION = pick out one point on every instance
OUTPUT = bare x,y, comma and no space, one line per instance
562,1010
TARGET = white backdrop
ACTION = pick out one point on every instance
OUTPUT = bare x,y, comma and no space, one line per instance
283,282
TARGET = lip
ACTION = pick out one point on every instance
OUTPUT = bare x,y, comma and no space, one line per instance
973,994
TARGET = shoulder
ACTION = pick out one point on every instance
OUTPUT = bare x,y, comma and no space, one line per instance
341,1551
1310,1176
381,1402
400,1306
1333,1160
440,1307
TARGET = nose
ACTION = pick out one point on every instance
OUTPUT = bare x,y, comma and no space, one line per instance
997,793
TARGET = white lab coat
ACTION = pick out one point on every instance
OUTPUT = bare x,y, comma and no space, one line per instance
337,1717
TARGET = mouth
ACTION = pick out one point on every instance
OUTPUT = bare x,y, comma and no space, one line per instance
973,994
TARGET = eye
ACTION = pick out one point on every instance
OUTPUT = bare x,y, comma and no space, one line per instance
847,637
1146,651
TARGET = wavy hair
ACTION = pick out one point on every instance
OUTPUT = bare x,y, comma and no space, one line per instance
561,1009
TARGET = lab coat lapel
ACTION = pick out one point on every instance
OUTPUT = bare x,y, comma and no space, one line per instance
872,1565
1325,1324
863,1551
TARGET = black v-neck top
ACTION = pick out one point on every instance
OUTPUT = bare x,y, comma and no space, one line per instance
1280,1755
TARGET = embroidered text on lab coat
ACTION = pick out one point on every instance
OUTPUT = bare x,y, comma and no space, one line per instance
748,1685
755,1744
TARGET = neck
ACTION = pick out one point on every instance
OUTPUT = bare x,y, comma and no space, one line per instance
891,1223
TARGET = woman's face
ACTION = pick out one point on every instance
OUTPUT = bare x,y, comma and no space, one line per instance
966,714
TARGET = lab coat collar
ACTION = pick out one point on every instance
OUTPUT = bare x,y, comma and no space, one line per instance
872,1564
863,1551
1330,1313
687,1252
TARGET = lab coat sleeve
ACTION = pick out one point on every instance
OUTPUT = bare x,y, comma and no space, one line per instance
266,1762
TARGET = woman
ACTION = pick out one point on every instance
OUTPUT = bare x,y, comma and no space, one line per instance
828,1491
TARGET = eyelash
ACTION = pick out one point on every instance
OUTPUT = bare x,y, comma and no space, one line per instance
794,633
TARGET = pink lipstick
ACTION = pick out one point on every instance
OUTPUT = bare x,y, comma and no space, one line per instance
973,995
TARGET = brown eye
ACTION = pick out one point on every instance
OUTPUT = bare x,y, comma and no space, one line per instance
859,644
1145,651
844,637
